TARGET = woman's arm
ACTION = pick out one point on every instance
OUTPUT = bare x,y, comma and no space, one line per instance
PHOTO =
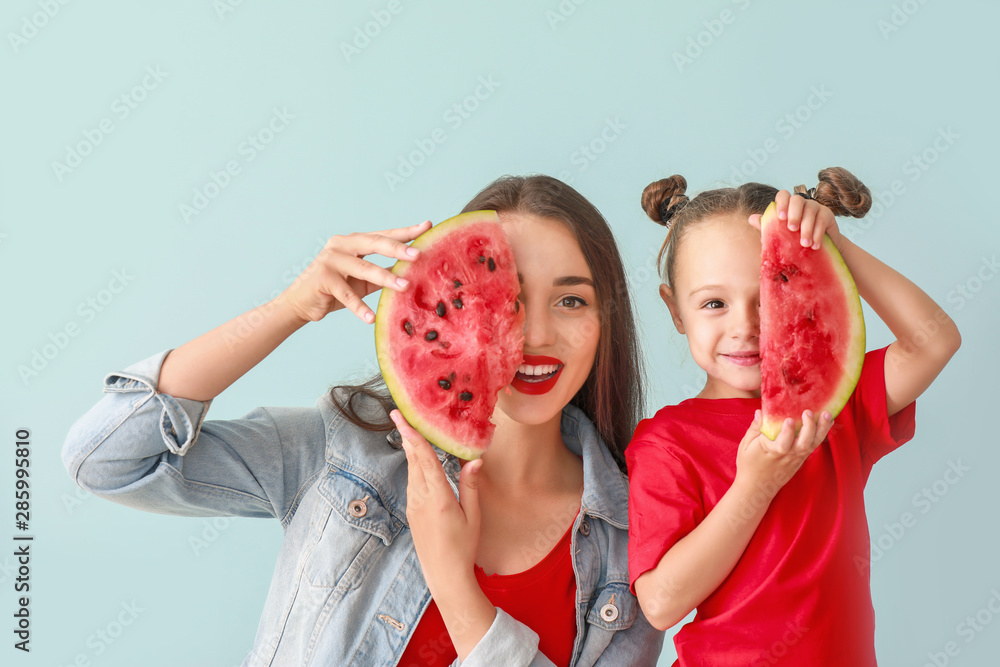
926,337
700,561
339,277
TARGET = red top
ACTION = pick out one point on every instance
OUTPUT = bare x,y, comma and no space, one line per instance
800,594
542,597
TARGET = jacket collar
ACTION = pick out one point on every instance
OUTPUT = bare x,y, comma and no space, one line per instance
370,456
605,489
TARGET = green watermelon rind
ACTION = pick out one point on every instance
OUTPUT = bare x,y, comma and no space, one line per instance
394,383
855,354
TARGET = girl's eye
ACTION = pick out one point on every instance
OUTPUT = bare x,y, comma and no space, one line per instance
714,304
572,302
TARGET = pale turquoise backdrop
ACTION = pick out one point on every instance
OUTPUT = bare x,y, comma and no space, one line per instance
101,266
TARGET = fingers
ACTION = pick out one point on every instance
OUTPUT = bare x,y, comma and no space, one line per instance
808,223
804,442
406,234
468,491
796,205
826,222
781,203
342,291
786,438
419,454
374,243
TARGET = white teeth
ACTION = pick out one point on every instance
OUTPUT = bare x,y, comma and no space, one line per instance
537,370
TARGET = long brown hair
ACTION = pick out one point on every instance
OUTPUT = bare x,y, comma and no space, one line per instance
612,395
666,204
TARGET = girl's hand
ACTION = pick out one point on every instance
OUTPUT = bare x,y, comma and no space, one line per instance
340,277
806,216
445,530
765,466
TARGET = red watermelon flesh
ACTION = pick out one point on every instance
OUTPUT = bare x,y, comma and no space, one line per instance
812,332
454,339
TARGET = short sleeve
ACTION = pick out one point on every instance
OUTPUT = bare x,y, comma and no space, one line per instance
878,433
665,504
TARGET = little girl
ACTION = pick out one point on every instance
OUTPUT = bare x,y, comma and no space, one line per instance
768,540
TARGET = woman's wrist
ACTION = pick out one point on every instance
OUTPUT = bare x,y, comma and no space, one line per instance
466,611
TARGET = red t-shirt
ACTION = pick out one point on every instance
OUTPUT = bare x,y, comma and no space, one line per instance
800,594
542,597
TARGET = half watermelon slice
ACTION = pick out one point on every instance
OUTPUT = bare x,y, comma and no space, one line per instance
812,331
454,339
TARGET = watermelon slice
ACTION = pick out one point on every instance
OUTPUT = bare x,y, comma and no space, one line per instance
455,338
812,331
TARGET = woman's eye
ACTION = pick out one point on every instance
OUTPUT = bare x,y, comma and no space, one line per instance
572,302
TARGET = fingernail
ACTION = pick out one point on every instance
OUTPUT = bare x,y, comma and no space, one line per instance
412,252
402,282
805,243
809,414
369,317
816,246
782,215
394,415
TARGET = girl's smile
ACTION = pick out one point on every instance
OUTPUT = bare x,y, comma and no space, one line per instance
715,304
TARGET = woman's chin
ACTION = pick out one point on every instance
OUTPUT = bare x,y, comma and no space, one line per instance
525,409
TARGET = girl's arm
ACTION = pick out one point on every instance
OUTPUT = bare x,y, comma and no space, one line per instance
339,277
926,337
699,562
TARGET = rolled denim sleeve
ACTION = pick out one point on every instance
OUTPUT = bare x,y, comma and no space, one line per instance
158,453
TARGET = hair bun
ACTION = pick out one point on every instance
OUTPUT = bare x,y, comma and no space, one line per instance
842,192
661,198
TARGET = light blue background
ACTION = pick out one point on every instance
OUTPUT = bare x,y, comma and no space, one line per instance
561,73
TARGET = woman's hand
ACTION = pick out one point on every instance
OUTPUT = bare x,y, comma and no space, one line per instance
340,277
806,216
446,536
764,466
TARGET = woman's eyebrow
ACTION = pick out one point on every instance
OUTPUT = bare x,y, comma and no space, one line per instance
563,281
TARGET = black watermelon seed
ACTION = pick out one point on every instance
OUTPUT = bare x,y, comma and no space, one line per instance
783,276
408,328
481,259
440,309
465,396
444,384
431,335
517,306
492,265
457,303
457,284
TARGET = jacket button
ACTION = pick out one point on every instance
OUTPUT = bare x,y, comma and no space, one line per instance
358,508
585,527
609,612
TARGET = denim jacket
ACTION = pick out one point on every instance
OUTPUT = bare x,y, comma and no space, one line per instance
347,588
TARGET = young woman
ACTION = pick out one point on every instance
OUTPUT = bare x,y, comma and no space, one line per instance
528,567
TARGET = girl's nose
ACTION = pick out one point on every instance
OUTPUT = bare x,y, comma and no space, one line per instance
745,321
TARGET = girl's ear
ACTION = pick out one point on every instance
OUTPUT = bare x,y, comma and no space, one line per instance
667,295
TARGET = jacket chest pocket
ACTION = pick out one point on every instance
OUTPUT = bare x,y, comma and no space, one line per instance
614,608
351,529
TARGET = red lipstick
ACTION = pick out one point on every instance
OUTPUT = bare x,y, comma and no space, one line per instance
534,385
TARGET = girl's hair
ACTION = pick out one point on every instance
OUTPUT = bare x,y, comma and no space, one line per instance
611,396
665,203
